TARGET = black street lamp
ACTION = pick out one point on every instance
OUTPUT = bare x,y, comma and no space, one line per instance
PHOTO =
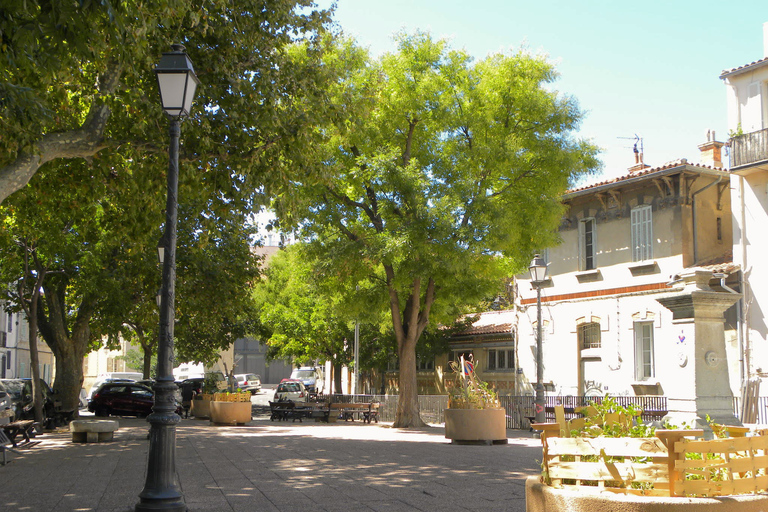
538,270
177,81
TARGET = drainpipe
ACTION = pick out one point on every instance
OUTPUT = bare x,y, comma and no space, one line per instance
744,286
693,213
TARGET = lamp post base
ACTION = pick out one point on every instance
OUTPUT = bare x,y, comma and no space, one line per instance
162,490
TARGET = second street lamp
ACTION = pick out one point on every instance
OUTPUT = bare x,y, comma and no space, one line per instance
538,270
177,81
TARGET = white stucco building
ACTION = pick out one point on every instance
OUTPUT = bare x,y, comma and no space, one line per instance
747,99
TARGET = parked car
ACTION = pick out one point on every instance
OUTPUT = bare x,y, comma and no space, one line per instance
114,377
124,399
311,376
6,406
20,391
249,382
292,390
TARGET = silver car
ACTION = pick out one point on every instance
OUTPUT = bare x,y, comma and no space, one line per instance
292,390
6,406
249,382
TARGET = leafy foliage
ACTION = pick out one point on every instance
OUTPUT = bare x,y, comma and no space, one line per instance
438,179
79,112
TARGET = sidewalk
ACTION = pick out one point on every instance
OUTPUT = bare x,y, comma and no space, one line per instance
277,466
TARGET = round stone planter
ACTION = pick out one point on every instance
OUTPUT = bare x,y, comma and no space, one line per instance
201,408
230,413
487,426
543,498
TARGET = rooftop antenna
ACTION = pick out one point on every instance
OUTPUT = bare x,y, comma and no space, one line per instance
638,152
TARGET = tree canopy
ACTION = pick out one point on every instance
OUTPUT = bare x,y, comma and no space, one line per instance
442,178
81,119
77,82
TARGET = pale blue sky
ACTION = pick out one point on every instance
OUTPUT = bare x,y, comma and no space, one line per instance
649,68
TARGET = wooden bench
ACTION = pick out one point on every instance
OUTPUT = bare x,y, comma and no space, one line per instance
366,411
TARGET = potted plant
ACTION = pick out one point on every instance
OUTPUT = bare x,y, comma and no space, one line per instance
201,402
474,413
231,408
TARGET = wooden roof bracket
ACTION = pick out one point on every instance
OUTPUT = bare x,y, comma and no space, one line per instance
669,190
688,180
616,195
601,197
720,189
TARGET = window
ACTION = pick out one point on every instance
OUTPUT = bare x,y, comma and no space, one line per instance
9,326
642,233
587,244
719,229
501,359
644,350
425,364
589,335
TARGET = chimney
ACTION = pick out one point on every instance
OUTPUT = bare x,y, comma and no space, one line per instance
711,151
639,164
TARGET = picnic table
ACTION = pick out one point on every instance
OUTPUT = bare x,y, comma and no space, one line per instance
323,411
23,428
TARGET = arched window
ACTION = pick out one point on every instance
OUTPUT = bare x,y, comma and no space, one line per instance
589,335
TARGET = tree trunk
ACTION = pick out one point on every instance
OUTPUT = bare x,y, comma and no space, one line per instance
68,347
408,323
408,412
147,349
34,360
69,376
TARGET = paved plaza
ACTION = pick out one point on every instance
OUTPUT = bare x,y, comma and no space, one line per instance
277,466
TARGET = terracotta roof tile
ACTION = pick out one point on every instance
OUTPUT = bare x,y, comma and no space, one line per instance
650,170
731,71
486,329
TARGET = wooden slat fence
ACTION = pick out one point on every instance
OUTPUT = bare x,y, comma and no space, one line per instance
673,463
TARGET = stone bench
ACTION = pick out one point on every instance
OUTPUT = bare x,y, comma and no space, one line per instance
92,431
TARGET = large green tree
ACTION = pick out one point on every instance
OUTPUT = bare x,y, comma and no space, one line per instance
79,111
303,318
441,179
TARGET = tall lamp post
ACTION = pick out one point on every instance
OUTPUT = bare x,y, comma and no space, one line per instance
538,270
177,81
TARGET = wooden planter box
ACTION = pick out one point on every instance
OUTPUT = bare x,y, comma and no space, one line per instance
230,413
544,498
476,425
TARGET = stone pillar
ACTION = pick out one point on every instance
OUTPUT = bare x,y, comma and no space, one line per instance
701,385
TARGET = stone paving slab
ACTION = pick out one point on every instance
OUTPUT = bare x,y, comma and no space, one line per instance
277,467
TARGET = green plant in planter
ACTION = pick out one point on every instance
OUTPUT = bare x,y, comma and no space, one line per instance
470,392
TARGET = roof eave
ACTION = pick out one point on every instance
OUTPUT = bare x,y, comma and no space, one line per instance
642,177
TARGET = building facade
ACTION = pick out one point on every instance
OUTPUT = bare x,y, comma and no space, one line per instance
624,241
747,100
15,358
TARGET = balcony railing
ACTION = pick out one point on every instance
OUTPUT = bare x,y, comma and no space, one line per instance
750,148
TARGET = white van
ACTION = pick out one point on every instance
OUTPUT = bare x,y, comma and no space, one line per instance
311,377
111,376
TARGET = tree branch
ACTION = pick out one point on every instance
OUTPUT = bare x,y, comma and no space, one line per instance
83,142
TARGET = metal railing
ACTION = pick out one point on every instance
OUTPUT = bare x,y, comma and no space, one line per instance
762,409
518,408
749,148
